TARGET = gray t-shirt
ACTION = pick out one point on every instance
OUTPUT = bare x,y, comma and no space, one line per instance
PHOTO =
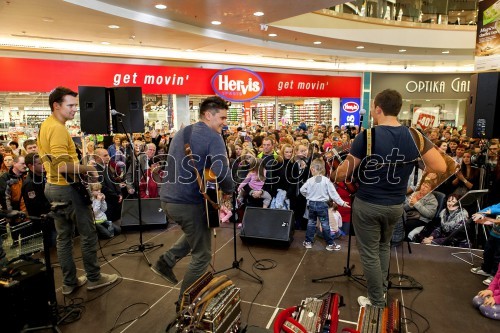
209,151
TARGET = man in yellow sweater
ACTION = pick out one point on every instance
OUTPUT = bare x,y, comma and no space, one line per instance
58,153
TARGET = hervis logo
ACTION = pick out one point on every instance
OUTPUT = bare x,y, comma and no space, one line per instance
237,84
351,107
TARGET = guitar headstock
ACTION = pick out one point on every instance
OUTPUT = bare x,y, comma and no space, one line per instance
336,152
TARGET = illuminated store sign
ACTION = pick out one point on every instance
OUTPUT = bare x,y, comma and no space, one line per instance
237,84
24,75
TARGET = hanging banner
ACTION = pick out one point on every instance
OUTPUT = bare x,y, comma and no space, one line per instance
487,55
349,111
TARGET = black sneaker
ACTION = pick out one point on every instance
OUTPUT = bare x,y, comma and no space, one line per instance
162,269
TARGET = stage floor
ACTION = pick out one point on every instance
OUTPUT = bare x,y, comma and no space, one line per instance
443,305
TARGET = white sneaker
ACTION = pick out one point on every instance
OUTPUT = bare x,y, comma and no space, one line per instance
479,271
363,301
333,247
66,290
488,281
105,280
307,245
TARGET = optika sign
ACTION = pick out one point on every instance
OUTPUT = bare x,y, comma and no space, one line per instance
351,107
237,84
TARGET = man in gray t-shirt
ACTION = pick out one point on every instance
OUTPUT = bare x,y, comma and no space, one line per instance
180,195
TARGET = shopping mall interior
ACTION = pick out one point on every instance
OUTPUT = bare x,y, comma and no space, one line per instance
310,56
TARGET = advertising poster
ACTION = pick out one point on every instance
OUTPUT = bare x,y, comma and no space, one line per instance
349,111
487,55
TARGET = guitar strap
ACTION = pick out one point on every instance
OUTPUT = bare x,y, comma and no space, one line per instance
417,138
188,152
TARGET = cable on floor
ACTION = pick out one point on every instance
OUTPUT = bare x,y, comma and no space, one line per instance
116,324
421,316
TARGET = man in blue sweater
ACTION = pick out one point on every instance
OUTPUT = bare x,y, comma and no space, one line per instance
180,193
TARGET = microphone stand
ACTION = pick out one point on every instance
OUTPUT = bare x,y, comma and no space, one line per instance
141,247
232,219
348,268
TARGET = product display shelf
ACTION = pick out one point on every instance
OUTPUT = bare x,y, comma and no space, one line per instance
309,113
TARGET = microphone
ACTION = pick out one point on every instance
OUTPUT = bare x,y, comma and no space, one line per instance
362,112
116,113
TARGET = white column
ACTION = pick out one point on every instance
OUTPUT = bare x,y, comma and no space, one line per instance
335,111
6,113
181,111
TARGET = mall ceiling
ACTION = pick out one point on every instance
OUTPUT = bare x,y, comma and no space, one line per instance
185,29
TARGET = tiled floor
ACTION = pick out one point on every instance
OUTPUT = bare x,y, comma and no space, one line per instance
444,304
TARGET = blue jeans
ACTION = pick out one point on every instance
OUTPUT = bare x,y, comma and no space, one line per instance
78,215
374,225
196,239
318,209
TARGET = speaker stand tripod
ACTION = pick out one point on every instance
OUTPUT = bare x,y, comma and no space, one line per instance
348,268
236,262
141,247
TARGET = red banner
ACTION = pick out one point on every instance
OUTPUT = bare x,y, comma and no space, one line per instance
35,75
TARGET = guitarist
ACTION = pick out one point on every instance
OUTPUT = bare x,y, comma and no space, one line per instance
378,204
59,156
180,193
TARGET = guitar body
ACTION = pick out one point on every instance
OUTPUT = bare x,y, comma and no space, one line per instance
214,193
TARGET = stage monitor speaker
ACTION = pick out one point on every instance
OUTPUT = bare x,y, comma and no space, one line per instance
274,226
483,114
94,109
24,296
127,100
152,214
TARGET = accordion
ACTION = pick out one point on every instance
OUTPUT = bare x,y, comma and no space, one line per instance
210,304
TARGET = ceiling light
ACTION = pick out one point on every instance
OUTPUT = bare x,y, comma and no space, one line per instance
427,100
160,6
258,14
273,35
317,42
105,43
47,19
360,47
402,50
189,50
310,60
113,26
216,22
445,52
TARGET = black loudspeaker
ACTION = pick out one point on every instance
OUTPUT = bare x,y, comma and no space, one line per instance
24,296
274,226
94,110
152,214
127,100
483,115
